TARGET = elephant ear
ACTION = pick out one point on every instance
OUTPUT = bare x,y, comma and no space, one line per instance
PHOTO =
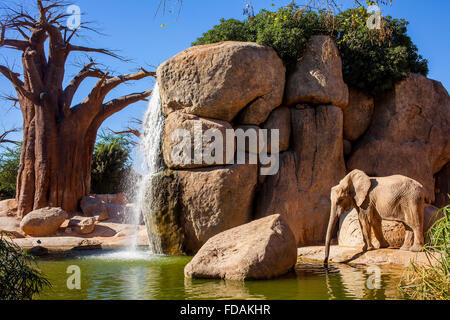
361,185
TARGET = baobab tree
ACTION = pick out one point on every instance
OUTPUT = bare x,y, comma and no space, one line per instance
58,137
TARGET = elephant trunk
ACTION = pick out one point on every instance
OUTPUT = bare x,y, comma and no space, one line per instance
331,226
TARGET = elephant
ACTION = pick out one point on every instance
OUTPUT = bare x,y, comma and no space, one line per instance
394,198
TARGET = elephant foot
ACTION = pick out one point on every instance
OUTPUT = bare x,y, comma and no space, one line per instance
416,248
384,245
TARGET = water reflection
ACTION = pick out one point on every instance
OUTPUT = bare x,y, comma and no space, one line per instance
218,290
146,276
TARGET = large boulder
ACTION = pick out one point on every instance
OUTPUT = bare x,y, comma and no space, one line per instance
408,134
393,232
185,158
248,139
11,226
221,79
94,207
262,249
214,200
350,232
443,187
300,192
317,76
357,115
279,119
43,222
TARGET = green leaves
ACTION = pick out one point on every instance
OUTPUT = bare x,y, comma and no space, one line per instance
373,60
9,166
110,164
19,277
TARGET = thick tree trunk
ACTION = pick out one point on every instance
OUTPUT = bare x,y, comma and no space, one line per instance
55,165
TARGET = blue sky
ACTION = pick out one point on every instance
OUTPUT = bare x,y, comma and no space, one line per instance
131,27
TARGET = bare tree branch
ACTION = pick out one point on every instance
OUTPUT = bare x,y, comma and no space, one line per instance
112,83
6,133
87,72
135,132
11,43
18,84
71,47
118,104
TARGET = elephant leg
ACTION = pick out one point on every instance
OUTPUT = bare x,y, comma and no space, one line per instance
365,228
409,237
378,231
415,221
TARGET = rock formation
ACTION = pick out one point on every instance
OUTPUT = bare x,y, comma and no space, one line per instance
82,225
234,85
300,192
408,134
214,200
357,115
208,81
442,190
184,159
279,119
317,76
262,249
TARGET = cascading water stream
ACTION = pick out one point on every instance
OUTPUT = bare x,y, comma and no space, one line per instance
151,153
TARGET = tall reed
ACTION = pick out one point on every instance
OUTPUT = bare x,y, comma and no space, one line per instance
431,281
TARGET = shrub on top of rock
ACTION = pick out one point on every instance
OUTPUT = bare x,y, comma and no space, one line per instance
373,60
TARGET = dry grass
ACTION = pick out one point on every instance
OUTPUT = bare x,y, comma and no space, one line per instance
432,281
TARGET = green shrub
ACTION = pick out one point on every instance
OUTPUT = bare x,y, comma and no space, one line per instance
110,164
432,281
9,166
373,60
286,30
19,277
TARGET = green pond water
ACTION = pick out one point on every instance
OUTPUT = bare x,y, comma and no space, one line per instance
140,275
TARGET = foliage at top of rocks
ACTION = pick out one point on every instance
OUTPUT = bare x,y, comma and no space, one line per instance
373,60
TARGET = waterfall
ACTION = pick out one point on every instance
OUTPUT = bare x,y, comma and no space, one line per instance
151,153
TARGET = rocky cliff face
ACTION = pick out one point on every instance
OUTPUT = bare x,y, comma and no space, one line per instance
409,133
233,85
